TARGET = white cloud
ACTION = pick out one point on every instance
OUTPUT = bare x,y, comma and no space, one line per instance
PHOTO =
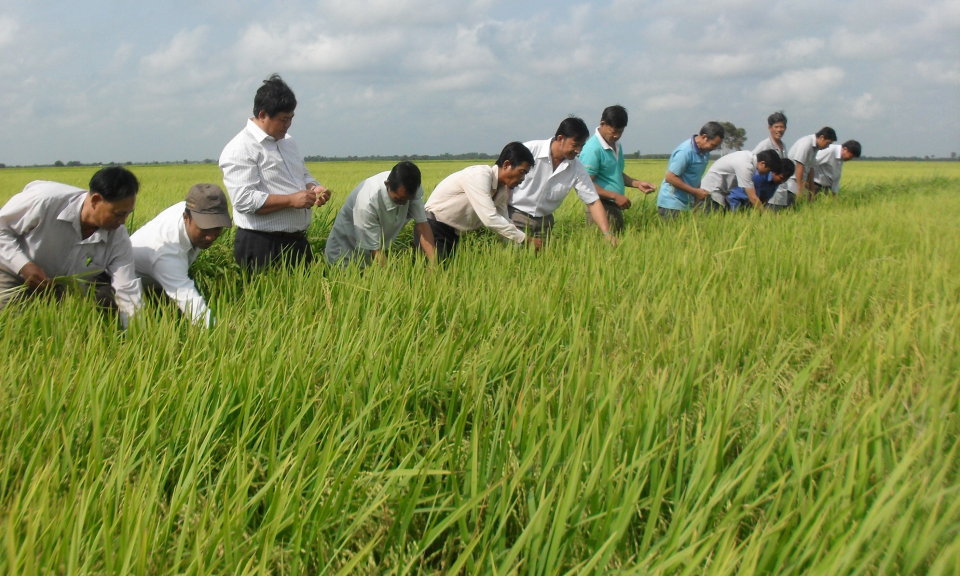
799,48
672,102
939,71
805,86
8,30
871,45
865,107
185,49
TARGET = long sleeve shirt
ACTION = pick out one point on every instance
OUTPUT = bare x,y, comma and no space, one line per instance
41,224
163,253
256,165
470,199
545,187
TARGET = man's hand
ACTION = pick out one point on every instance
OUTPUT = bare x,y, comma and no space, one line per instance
643,186
537,243
35,277
700,193
303,199
622,201
611,238
323,195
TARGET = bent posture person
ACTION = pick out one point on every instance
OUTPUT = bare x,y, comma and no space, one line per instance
556,171
602,156
373,215
765,186
680,188
830,161
51,229
736,170
165,247
270,187
804,155
476,197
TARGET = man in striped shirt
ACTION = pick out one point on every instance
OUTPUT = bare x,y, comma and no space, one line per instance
269,185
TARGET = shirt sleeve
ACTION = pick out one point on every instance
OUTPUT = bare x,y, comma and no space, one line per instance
17,218
744,174
584,185
678,163
417,211
171,272
123,275
477,191
241,176
367,224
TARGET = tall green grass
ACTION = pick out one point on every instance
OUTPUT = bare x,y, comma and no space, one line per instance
723,395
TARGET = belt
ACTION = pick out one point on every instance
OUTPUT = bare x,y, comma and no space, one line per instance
292,235
512,209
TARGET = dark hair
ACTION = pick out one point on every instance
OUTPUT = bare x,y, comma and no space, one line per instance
573,127
853,146
405,174
114,183
828,133
712,130
274,97
771,159
776,117
516,154
614,116
787,168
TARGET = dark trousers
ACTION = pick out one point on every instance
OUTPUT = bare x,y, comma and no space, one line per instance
614,215
445,238
257,251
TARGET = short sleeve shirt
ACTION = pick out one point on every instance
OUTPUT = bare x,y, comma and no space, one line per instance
688,162
733,170
769,144
370,220
803,151
604,163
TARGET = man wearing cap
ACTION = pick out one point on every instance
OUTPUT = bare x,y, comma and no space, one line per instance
270,187
166,246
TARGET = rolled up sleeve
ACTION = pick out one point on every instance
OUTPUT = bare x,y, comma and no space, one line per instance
17,218
478,194
241,176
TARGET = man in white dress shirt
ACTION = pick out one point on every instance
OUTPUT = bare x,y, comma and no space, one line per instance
826,176
373,215
165,247
476,197
270,187
51,229
556,171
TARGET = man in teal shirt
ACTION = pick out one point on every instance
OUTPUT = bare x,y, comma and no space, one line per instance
602,156
680,188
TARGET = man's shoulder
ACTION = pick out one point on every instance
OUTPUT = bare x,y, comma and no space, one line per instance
538,147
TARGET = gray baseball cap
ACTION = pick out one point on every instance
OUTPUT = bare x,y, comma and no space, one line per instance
208,206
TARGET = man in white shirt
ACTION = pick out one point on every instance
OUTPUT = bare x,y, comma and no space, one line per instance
736,170
476,197
373,215
804,155
829,168
270,187
52,230
556,171
165,247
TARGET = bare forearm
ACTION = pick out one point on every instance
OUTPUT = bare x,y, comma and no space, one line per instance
275,203
679,184
427,241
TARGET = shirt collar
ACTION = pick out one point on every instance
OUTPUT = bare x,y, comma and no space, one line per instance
605,144
693,144
71,214
257,132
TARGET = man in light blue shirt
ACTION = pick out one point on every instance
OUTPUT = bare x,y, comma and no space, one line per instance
602,156
680,188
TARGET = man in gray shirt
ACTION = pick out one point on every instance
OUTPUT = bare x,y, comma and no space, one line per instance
373,215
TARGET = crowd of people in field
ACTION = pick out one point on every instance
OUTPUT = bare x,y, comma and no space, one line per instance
52,230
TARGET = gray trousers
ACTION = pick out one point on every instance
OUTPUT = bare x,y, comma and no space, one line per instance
535,226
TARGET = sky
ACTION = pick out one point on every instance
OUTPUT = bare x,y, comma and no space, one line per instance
118,81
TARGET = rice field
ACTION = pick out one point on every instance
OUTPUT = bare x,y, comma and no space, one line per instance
742,394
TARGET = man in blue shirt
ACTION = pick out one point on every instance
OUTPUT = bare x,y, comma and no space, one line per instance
765,185
681,184
602,156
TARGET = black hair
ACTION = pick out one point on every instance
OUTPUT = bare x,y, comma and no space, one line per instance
516,154
787,168
573,127
274,97
828,133
114,183
776,117
771,159
853,146
614,116
712,130
405,174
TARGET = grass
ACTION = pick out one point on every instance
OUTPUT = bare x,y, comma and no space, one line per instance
730,395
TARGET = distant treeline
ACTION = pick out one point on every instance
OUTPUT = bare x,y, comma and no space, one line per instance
419,157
